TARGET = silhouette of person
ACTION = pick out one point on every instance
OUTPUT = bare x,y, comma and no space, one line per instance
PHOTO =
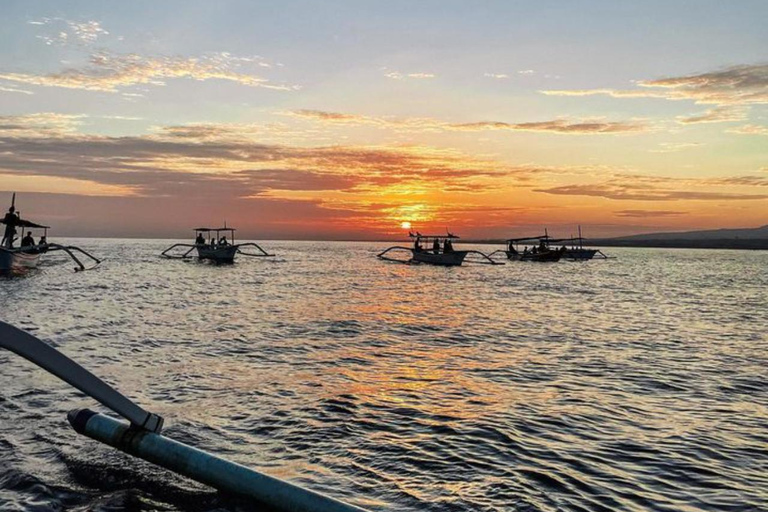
200,240
436,246
223,241
417,245
10,220
448,246
27,240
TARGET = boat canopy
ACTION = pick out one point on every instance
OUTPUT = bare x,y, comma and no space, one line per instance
208,230
433,237
529,239
27,224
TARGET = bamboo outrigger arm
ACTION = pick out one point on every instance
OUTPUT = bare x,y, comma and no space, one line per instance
173,257
56,363
69,249
257,246
382,254
486,259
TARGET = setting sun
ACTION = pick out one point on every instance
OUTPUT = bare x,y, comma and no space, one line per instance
405,225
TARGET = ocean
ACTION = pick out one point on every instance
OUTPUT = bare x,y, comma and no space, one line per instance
636,383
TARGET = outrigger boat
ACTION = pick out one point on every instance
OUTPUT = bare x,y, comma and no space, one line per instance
539,251
440,252
218,249
27,255
577,251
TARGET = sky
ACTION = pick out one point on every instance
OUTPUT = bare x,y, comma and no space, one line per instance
356,119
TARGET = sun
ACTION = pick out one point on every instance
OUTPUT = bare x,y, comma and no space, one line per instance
405,225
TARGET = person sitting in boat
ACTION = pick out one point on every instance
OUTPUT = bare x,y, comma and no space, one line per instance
212,243
28,240
223,241
542,246
436,246
200,240
447,246
43,240
525,251
512,249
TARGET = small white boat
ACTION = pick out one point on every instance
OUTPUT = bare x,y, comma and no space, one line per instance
441,251
17,260
218,249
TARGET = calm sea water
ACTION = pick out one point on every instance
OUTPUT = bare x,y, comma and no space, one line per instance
637,383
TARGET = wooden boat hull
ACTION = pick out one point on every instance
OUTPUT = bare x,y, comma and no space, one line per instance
539,256
579,254
15,260
224,254
450,259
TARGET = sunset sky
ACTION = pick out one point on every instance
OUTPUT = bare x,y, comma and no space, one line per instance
344,119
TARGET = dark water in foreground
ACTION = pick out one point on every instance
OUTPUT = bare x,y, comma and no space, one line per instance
639,383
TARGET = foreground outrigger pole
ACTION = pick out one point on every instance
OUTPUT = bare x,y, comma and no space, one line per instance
142,437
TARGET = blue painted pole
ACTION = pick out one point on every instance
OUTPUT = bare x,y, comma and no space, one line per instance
203,467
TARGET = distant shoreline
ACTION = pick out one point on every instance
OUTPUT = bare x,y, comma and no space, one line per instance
757,244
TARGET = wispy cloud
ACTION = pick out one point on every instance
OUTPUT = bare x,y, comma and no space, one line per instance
14,89
633,187
738,85
62,31
108,72
498,76
396,75
724,114
561,126
750,129
674,147
649,213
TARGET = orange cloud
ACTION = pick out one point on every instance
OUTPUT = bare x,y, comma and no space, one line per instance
108,72
561,126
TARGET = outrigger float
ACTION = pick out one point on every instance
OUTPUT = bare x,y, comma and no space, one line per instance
142,437
217,249
27,256
441,252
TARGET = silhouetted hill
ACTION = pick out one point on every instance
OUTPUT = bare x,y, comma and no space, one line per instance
743,238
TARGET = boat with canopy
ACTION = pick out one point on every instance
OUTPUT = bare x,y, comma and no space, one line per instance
435,250
540,249
575,250
19,259
212,246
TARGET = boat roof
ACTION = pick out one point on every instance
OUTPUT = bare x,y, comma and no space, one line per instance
206,230
529,238
571,239
28,224
432,237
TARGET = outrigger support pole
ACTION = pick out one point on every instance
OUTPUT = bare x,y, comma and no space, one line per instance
142,438
185,255
68,249
56,363
395,247
497,251
257,246
485,256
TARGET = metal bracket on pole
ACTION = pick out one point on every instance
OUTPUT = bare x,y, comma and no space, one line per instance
56,363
